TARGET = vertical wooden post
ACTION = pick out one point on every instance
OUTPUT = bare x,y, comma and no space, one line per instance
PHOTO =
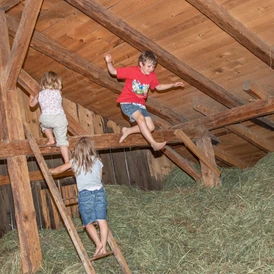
210,178
11,63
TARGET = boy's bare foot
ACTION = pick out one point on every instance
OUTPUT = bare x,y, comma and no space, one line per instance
124,134
51,142
158,146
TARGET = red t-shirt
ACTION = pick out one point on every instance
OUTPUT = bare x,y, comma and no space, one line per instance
136,86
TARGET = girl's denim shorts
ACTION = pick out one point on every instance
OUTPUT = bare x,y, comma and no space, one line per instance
129,108
92,205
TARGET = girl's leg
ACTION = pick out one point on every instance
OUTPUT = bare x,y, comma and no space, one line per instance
145,126
103,225
65,153
48,132
92,232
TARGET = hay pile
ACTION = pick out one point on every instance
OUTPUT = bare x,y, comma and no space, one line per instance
184,229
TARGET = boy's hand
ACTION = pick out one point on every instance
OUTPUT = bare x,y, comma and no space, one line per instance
179,84
108,58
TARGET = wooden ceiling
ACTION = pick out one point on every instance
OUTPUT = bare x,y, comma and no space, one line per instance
215,48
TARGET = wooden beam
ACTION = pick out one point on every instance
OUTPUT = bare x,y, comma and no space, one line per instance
228,117
21,42
254,91
4,55
183,164
210,178
218,15
228,158
30,250
173,64
45,45
111,140
35,176
240,130
8,4
199,153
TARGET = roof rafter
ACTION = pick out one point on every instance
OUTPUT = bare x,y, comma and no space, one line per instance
169,61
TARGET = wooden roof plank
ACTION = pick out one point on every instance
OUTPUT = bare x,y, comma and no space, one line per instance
235,29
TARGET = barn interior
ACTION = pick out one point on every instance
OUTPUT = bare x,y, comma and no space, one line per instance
223,117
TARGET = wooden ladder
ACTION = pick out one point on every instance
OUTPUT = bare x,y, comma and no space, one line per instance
67,219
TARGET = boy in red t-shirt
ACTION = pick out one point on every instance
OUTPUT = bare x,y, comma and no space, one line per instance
139,79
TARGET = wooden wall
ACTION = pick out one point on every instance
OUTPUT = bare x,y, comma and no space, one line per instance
130,166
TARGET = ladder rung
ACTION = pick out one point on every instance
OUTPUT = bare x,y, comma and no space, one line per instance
101,256
67,199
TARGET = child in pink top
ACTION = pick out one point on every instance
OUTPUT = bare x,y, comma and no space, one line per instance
53,118
139,79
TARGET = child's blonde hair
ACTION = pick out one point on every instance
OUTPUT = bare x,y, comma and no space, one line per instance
51,80
81,155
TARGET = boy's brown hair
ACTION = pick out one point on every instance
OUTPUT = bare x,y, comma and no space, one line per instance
148,56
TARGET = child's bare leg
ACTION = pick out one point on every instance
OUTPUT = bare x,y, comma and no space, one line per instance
127,131
48,132
65,153
146,126
92,232
104,235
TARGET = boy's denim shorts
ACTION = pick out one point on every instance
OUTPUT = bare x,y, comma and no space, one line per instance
129,108
92,205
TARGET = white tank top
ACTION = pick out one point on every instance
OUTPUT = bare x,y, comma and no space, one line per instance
50,101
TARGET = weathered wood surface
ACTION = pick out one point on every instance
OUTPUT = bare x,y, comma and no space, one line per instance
235,28
30,250
199,153
210,178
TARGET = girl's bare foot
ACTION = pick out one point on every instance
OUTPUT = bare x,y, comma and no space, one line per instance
51,142
124,134
158,146
98,250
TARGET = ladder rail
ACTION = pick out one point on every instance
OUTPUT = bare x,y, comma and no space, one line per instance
59,202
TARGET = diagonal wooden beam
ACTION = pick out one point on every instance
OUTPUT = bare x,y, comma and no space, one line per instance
169,61
228,158
47,46
245,133
4,55
21,42
218,15
198,152
229,117
8,4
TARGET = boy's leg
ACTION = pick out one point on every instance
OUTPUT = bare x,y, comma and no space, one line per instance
144,126
65,153
104,235
92,232
48,132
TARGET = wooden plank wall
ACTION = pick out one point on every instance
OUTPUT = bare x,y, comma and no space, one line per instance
131,166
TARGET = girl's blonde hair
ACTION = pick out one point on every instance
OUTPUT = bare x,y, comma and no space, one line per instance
51,80
81,155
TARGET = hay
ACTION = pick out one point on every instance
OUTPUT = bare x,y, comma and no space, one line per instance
185,229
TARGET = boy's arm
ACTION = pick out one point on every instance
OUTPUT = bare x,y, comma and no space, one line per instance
61,168
33,100
167,86
110,66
